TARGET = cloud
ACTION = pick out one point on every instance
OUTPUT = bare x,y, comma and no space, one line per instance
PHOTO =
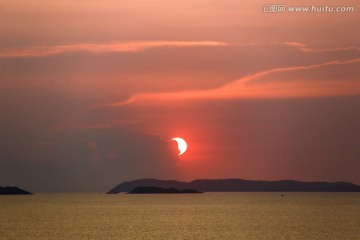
44,51
263,84
293,44
137,46
87,160
304,48
150,156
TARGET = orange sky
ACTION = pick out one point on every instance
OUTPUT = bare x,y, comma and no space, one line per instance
94,92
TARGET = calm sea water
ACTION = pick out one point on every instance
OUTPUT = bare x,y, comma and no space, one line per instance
200,216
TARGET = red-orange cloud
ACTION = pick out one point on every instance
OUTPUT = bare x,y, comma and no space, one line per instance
43,51
263,85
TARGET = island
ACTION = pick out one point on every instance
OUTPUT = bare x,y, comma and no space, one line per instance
13,191
239,185
159,190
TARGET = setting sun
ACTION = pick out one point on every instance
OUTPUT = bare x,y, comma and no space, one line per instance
182,146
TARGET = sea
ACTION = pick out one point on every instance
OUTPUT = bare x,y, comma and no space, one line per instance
181,216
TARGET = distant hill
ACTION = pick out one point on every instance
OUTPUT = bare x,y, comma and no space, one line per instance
239,185
13,191
159,190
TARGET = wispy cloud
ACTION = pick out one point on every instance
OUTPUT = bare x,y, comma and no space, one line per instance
253,86
304,48
137,46
44,51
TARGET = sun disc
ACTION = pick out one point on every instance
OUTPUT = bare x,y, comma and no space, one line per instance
182,145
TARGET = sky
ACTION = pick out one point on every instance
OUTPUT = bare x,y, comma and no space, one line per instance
92,92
